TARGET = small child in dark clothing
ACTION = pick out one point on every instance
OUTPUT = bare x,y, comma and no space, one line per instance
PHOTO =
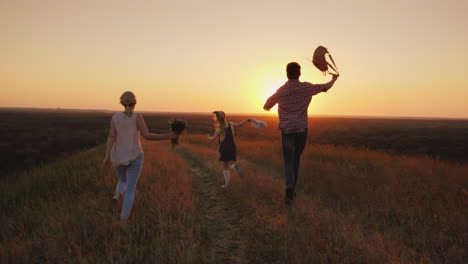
227,145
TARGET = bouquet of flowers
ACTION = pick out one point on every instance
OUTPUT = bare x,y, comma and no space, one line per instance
177,127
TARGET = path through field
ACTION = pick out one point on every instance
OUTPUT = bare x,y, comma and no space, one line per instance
248,222
222,237
235,223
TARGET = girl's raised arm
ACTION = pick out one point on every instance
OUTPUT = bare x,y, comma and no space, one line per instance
242,123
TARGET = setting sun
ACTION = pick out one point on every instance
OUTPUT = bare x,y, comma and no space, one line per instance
264,82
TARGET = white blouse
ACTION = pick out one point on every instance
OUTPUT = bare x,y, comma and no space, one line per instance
127,146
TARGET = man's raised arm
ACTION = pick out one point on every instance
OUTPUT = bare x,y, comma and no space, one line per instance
271,102
314,89
328,85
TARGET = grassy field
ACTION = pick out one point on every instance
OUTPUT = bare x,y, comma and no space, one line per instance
354,206
60,213
29,138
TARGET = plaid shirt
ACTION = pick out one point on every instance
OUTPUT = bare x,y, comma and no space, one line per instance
293,99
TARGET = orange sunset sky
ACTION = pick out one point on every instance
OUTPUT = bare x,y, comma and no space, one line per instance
396,58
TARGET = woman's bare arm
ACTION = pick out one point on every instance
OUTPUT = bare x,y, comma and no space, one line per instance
110,141
141,125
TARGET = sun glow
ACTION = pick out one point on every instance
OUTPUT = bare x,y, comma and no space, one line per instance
265,81
269,89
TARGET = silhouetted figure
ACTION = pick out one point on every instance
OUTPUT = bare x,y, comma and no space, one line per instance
293,99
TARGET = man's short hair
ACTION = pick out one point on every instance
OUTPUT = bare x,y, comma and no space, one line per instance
293,70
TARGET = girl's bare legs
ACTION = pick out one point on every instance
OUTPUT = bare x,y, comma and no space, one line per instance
226,174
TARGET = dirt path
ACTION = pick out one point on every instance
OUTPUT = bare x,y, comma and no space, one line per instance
222,236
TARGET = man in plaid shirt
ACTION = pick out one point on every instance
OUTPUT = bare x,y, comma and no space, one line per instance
293,99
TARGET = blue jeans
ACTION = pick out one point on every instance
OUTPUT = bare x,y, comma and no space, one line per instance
293,146
128,178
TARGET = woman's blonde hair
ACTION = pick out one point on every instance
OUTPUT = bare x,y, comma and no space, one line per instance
220,118
128,100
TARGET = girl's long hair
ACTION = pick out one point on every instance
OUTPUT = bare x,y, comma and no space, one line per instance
220,119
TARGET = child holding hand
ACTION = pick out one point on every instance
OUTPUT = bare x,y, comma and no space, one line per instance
227,145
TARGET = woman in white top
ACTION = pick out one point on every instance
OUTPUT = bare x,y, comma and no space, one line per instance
125,152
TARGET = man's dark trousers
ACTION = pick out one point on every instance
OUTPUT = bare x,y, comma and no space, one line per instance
293,146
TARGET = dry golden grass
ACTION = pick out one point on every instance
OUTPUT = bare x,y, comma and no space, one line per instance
374,207
353,206
60,213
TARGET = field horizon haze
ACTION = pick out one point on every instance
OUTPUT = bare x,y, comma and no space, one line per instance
266,113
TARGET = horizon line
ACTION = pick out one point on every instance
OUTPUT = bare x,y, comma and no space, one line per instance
237,114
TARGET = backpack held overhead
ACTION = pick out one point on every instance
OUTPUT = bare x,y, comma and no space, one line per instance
320,61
